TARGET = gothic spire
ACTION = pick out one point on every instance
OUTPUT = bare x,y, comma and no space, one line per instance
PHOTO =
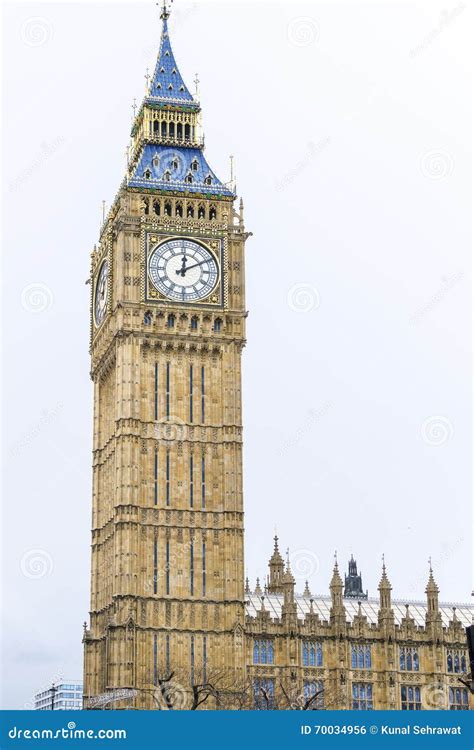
167,84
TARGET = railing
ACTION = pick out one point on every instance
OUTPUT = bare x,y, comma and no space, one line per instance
174,141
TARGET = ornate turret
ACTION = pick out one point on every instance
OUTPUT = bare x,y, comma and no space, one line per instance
336,586
353,582
385,592
289,608
166,151
432,591
277,571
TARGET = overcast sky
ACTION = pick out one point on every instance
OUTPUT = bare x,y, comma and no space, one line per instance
349,124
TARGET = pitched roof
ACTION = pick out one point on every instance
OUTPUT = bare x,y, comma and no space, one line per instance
369,607
167,84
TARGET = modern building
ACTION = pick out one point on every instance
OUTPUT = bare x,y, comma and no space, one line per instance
65,696
169,608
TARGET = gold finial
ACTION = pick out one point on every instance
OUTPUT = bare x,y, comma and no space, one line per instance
196,84
165,10
147,80
429,563
103,212
134,107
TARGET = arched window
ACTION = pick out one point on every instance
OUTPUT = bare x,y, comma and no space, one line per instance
171,129
354,657
256,652
156,126
368,658
163,129
208,180
186,132
402,658
190,211
157,207
212,212
456,663
312,654
178,209
194,322
167,176
189,178
147,318
201,211
217,324
156,160
146,206
179,131
319,655
168,208
175,164
194,164
416,662
147,174
171,320
409,662
450,663
463,664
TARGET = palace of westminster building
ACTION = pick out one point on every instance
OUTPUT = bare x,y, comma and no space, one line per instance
172,620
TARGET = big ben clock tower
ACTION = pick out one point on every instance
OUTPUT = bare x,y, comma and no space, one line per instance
167,332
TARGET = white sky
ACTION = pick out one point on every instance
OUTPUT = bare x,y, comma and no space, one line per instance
349,123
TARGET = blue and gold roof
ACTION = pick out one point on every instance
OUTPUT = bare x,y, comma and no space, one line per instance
176,169
167,151
167,84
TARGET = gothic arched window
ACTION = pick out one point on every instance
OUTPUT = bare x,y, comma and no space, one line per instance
156,126
186,132
450,663
189,178
167,176
178,209
147,318
171,129
456,663
212,212
194,163
179,131
201,211
217,324
147,174
194,322
171,320
157,207
190,211
208,180
146,206
168,208
163,129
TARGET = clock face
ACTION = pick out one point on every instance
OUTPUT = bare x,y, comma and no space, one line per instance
183,270
101,288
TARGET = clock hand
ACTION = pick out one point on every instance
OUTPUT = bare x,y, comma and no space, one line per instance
197,264
182,270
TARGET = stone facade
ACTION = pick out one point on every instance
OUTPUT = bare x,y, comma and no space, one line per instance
168,621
